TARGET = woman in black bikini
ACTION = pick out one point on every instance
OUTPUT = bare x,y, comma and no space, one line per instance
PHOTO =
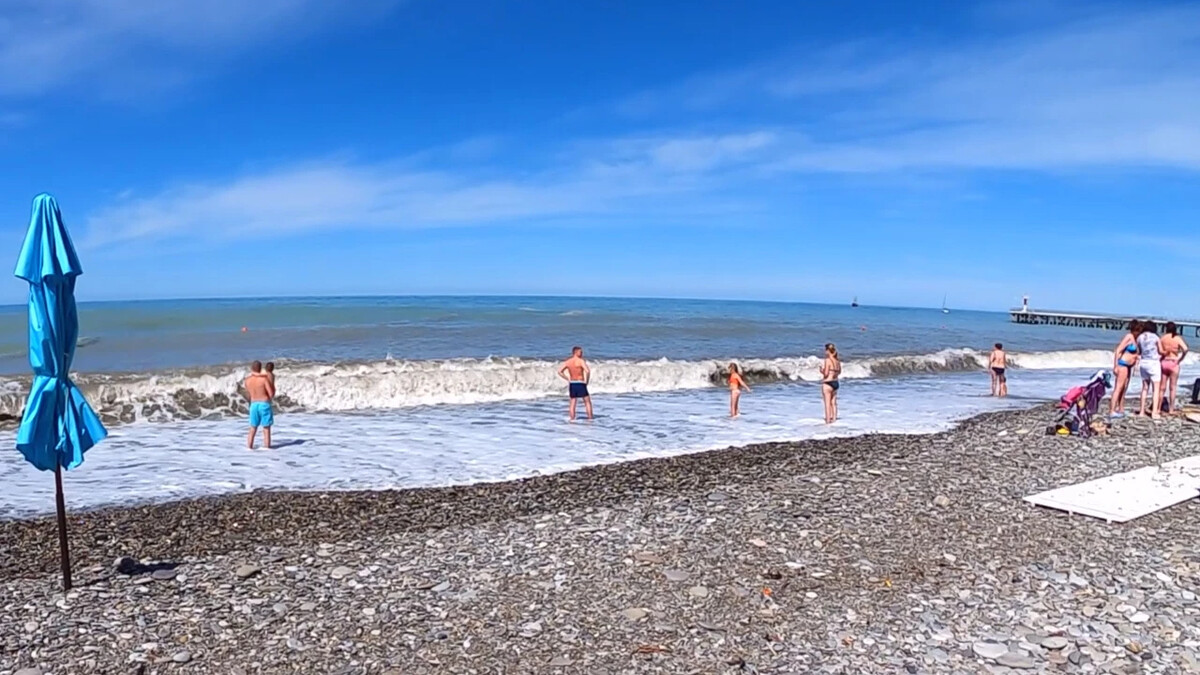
831,369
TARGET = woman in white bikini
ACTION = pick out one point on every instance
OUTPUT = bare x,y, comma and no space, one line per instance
831,370
1173,350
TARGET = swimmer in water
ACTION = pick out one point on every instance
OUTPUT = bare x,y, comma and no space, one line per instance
831,370
736,384
261,391
578,374
998,365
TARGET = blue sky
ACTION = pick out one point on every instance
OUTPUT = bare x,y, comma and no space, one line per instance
765,150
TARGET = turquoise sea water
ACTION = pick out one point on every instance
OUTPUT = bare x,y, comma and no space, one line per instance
147,336
397,392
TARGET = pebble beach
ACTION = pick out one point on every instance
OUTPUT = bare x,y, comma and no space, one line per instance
872,554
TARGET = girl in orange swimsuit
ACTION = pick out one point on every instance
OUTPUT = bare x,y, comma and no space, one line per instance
736,385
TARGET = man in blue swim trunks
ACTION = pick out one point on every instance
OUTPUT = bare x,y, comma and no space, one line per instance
576,371
261,390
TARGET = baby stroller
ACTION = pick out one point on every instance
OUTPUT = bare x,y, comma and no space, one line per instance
1077,407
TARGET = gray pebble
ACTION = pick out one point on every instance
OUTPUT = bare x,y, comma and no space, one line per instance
247,571
989,650
1016,660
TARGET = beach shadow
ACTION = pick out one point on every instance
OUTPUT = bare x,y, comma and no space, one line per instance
131,568
287,444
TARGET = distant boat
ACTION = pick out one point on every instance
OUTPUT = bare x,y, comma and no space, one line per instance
944,310
854,302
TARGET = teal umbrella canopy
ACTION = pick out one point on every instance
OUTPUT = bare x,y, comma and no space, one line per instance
58,426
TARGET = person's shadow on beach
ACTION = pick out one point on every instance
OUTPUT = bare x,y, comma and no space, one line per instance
287,444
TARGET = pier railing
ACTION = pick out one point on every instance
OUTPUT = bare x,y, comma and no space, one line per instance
1041,317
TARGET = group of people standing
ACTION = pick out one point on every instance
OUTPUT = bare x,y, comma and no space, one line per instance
1157,360
578,374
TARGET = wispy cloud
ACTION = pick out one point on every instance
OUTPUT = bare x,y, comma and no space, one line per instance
129,46
1107,90
1115,88
626,176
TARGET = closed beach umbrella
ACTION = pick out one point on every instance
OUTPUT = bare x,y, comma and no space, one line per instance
58,425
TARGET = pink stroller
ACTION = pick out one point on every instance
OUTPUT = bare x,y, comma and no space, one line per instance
1078,406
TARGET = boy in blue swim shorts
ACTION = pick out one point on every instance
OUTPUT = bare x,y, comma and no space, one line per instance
261,390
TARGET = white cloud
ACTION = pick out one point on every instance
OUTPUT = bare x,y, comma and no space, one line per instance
137,45
619,177
1113,88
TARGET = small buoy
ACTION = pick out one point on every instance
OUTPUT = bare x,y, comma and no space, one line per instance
244,329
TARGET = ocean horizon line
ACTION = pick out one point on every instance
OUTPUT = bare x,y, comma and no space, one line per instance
519,296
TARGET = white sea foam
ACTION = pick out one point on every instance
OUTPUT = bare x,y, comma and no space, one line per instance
396,384
441,445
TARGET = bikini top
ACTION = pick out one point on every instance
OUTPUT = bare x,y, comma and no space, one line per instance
1131,348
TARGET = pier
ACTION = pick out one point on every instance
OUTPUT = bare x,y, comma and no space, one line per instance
1040,317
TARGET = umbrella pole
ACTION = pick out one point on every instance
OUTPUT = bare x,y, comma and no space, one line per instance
63,550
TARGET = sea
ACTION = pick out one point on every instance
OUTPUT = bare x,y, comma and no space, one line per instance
400,392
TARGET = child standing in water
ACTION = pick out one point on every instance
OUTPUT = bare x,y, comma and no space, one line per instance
831,370
736,385
998,364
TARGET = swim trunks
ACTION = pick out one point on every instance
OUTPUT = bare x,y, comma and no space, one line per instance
1170,366
833,384
579,390
261,414
999,372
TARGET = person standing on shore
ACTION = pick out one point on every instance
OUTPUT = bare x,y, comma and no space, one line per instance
736,384
831,370
1173,350
1125,357
578,374
998,365
1150,367
261,390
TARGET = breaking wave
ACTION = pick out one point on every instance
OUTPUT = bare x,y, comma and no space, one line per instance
214,392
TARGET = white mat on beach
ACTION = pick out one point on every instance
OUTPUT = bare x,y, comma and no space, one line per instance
1124,496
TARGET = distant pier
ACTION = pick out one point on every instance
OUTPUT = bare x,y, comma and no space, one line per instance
1040,317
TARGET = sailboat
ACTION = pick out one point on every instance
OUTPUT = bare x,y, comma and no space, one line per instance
854,303
944,310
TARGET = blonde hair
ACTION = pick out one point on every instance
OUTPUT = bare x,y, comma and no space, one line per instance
831,349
